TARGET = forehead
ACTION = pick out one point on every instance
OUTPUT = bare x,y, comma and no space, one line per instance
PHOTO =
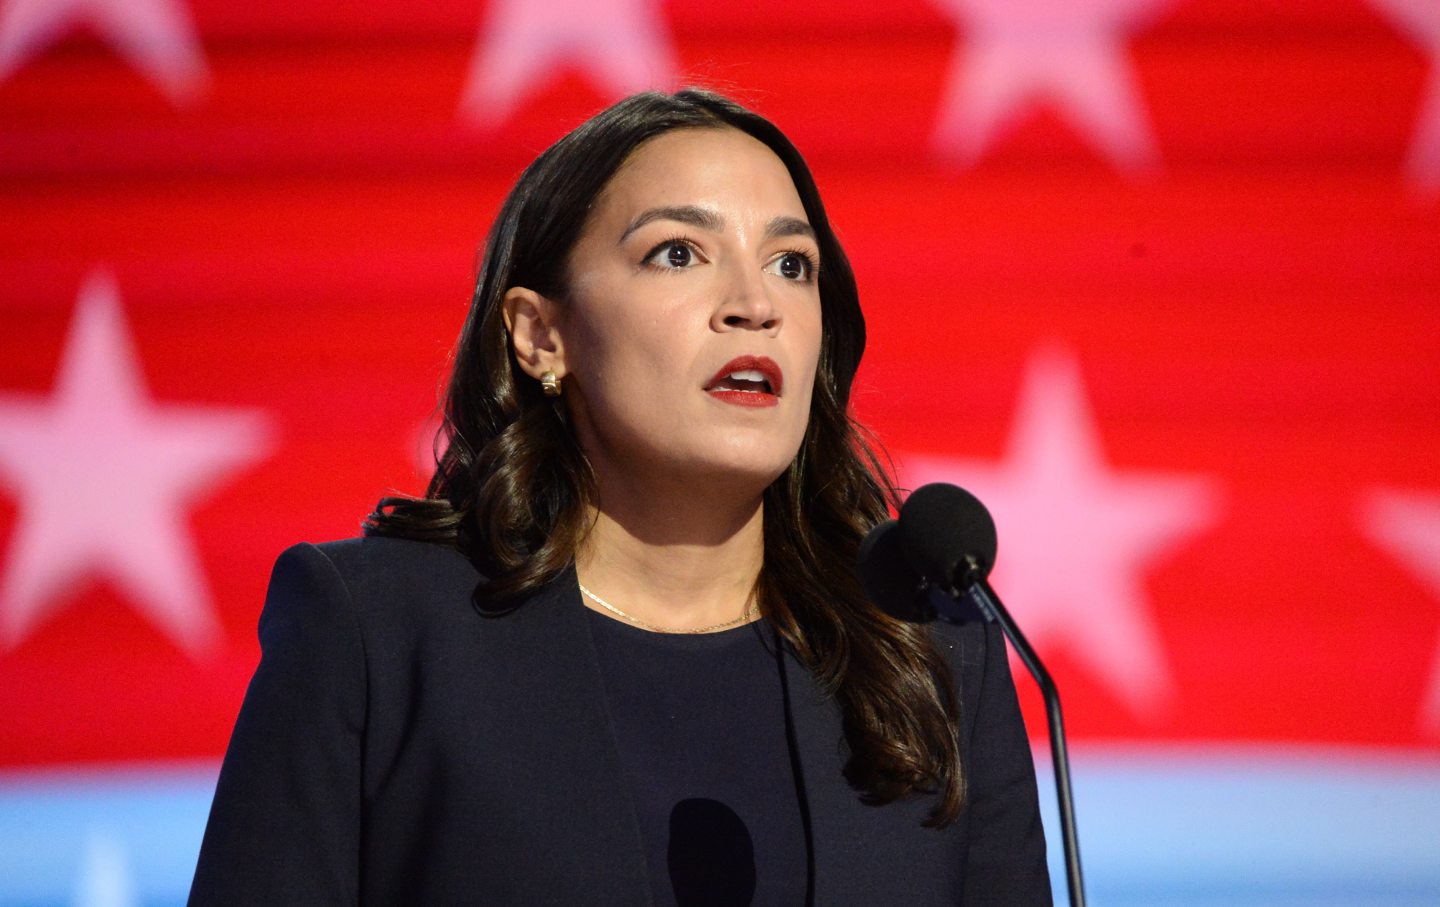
721,168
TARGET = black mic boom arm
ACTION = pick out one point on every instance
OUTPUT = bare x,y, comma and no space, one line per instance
974,587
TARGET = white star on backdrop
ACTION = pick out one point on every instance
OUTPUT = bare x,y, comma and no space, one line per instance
157,36
1407,525
1070,54
105,878
103,477
1420,19
1076,536
623,46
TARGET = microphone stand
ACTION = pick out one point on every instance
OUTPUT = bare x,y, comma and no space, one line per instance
973,585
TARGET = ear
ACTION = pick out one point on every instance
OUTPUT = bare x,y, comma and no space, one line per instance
532,320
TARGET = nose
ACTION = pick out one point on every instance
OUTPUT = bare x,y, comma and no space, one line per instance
746,304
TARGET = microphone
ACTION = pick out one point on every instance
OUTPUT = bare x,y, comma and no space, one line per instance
890,580
711,854
898,587
946,528
945,539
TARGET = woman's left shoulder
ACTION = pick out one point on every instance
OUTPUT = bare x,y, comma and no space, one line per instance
979,663
964,643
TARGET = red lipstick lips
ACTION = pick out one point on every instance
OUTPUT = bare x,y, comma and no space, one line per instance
747,381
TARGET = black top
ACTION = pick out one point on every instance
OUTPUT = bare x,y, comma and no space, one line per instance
699,722
396,746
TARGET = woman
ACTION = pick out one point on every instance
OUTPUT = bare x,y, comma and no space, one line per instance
619,654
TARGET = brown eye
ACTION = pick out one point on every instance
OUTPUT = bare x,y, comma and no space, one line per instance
671,255
795,266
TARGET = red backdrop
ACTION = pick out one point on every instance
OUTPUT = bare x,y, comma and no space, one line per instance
1164,277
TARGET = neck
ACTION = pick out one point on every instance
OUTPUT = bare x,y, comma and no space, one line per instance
675,561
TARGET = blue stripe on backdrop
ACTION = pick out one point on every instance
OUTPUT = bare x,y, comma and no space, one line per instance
1160,827
120,837
1250,827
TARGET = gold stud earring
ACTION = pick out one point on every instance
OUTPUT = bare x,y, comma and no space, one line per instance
550,383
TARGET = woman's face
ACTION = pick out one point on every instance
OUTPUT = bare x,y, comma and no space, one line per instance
689,338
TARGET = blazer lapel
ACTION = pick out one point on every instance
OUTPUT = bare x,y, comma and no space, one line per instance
557,735
862,853
818,743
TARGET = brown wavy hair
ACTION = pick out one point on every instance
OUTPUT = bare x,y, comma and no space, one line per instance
513,491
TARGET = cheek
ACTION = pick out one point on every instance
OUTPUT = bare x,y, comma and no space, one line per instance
809,349
616,327
597,345
632,372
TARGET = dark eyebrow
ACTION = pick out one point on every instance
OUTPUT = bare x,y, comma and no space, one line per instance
693,215
788,226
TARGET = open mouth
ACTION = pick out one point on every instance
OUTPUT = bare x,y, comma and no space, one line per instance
748,381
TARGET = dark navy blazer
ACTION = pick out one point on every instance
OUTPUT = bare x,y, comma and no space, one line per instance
396,747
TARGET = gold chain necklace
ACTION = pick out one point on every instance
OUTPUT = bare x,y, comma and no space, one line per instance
743,618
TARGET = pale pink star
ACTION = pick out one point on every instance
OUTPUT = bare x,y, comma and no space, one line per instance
156,36
103,477
622,46
1407,525
1420,21
1070,55
1078,537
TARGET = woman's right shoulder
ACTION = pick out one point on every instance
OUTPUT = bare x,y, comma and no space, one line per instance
376,558
375,573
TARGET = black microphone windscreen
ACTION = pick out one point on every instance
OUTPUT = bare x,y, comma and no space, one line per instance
942,525
711,854
891,580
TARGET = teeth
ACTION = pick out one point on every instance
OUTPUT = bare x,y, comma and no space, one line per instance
747,375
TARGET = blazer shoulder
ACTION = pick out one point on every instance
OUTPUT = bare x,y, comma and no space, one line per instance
374,568
366,556
962,642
